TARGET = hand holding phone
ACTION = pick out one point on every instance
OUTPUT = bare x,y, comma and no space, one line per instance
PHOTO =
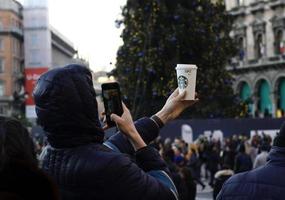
112,101
126,125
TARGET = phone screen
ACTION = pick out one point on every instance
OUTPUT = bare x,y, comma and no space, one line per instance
112,99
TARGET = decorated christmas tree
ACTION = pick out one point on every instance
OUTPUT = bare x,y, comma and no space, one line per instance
157,35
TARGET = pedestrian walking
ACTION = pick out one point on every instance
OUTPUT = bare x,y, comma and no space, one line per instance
242,160
261,158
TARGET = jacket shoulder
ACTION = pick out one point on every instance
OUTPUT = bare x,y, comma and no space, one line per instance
261,183
83,165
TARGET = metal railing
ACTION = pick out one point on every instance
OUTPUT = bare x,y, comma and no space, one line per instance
256,63
12,29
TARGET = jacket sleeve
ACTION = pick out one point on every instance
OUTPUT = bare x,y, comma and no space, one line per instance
148,179
147,129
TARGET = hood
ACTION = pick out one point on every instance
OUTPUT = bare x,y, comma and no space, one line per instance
277,156
66,106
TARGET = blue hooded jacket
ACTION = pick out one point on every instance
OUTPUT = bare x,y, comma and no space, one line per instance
80,163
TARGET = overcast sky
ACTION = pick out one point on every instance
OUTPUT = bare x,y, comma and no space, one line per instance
90,25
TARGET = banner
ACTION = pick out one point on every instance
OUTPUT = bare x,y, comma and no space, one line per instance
220,128
32,75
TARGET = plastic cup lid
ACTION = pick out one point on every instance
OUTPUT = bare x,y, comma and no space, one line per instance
186,66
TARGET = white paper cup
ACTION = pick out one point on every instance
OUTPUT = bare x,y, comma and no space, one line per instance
186,79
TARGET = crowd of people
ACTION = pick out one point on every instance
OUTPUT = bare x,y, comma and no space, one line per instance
77,162
211,160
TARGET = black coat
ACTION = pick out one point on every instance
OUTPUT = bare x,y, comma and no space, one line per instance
220,178
82,166
22,180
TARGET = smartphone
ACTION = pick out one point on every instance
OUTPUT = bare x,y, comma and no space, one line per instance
112,101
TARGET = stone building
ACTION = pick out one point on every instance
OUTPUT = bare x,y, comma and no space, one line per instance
29,46
11,55
259,67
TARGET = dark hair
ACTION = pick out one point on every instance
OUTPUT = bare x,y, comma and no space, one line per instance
168,155
15,143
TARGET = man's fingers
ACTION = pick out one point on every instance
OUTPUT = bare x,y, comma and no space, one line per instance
181,95
115,118
174,94
104,119
124,106
190,102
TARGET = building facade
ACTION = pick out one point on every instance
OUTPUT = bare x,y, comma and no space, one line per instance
259,67
29,46
45,47
11,56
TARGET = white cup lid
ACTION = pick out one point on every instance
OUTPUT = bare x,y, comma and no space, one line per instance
186,66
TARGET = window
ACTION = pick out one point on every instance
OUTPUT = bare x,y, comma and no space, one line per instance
16,66
2,89
2,65
16,47
34,57
239,3
241,48
34,40
1,44
259,47
279,46
18,87
3,109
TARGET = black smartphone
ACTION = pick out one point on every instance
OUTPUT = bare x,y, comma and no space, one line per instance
112,101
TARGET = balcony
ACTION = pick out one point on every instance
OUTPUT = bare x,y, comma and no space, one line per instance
276,3
277,60
258,6
237,11
12,30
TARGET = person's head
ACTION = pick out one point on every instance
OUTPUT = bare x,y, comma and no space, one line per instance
15,143
186,174
177,141
177,150
66,106
168,155
279,140
264,146
167,141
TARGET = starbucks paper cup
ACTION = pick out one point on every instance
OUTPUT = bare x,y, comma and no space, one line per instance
186,79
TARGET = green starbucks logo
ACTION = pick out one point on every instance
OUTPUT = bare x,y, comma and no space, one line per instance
182,82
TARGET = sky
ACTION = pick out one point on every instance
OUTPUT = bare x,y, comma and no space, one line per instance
90,26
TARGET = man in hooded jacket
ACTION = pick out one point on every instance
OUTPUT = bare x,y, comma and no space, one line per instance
80,162
264,183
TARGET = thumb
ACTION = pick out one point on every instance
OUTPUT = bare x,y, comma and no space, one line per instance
115,118
181,95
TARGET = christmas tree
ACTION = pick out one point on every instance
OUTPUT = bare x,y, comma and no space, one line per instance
157,35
